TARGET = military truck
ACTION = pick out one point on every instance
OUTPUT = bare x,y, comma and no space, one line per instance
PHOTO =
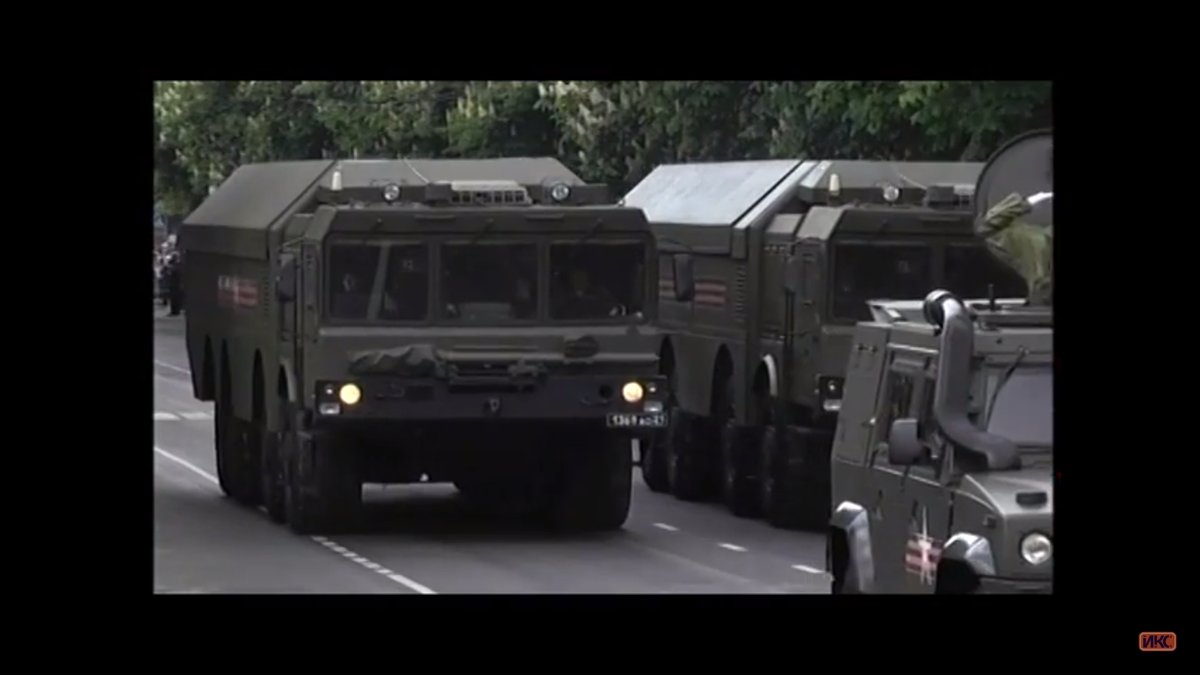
765,267
482,322
942,467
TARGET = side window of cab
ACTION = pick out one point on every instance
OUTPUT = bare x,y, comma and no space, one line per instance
895,404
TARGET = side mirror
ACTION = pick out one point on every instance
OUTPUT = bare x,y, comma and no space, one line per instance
285,283
685,283
904,446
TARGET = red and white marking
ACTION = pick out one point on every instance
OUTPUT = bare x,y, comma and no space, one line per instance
237,292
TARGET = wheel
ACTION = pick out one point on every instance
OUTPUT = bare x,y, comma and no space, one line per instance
809,450
238,450
274,477
324,490
221,439
246,462
776,500
656,463
596,484
684,469
795,484
739,484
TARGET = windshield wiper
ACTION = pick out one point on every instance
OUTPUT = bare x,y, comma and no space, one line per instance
1012,367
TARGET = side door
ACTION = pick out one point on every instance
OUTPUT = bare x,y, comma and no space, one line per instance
888,504
925,495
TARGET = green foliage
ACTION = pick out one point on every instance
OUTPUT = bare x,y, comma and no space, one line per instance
613,132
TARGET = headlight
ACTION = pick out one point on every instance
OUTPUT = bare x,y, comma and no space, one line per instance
1036,548
350,394
392,192
891,193
559,192
632,392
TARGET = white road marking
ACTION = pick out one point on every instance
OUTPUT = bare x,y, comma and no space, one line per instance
373,566
327,543
189,466
732,547
196,416
169,366
668,528
810,570
165,416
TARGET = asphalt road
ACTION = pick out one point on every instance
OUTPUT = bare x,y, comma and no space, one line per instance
428,539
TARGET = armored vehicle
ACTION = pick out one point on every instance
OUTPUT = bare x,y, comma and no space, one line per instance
482,322
765,267
942,466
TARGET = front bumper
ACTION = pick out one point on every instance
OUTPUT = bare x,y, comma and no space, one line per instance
1000,586
578,398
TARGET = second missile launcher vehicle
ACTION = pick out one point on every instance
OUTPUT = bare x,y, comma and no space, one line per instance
765,267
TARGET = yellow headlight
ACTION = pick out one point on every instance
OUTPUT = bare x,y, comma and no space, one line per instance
350,394
632,392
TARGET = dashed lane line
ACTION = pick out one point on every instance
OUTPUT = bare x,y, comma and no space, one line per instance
324,541
194,416
810,570
732,547
668,528
189,466
171,366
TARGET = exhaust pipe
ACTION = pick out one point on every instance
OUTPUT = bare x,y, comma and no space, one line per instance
944,310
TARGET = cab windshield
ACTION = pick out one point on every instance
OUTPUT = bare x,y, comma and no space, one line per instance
596,280
489,282
1022,406
382,281
870,271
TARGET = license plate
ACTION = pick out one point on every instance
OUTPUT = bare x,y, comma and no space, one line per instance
637,420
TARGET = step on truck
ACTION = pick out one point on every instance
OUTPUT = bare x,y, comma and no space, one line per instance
765,267
942,476
484,322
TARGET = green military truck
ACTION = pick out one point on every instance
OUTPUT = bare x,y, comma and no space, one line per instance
483,322
942,468
765,267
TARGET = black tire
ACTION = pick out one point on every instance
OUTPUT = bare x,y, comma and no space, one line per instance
656,463
221,439
685,471
777,500
795,492
246,462
324,488
274,481
739,479
596,485
274,477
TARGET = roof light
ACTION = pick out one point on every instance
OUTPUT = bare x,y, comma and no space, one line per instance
336,181
835,185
